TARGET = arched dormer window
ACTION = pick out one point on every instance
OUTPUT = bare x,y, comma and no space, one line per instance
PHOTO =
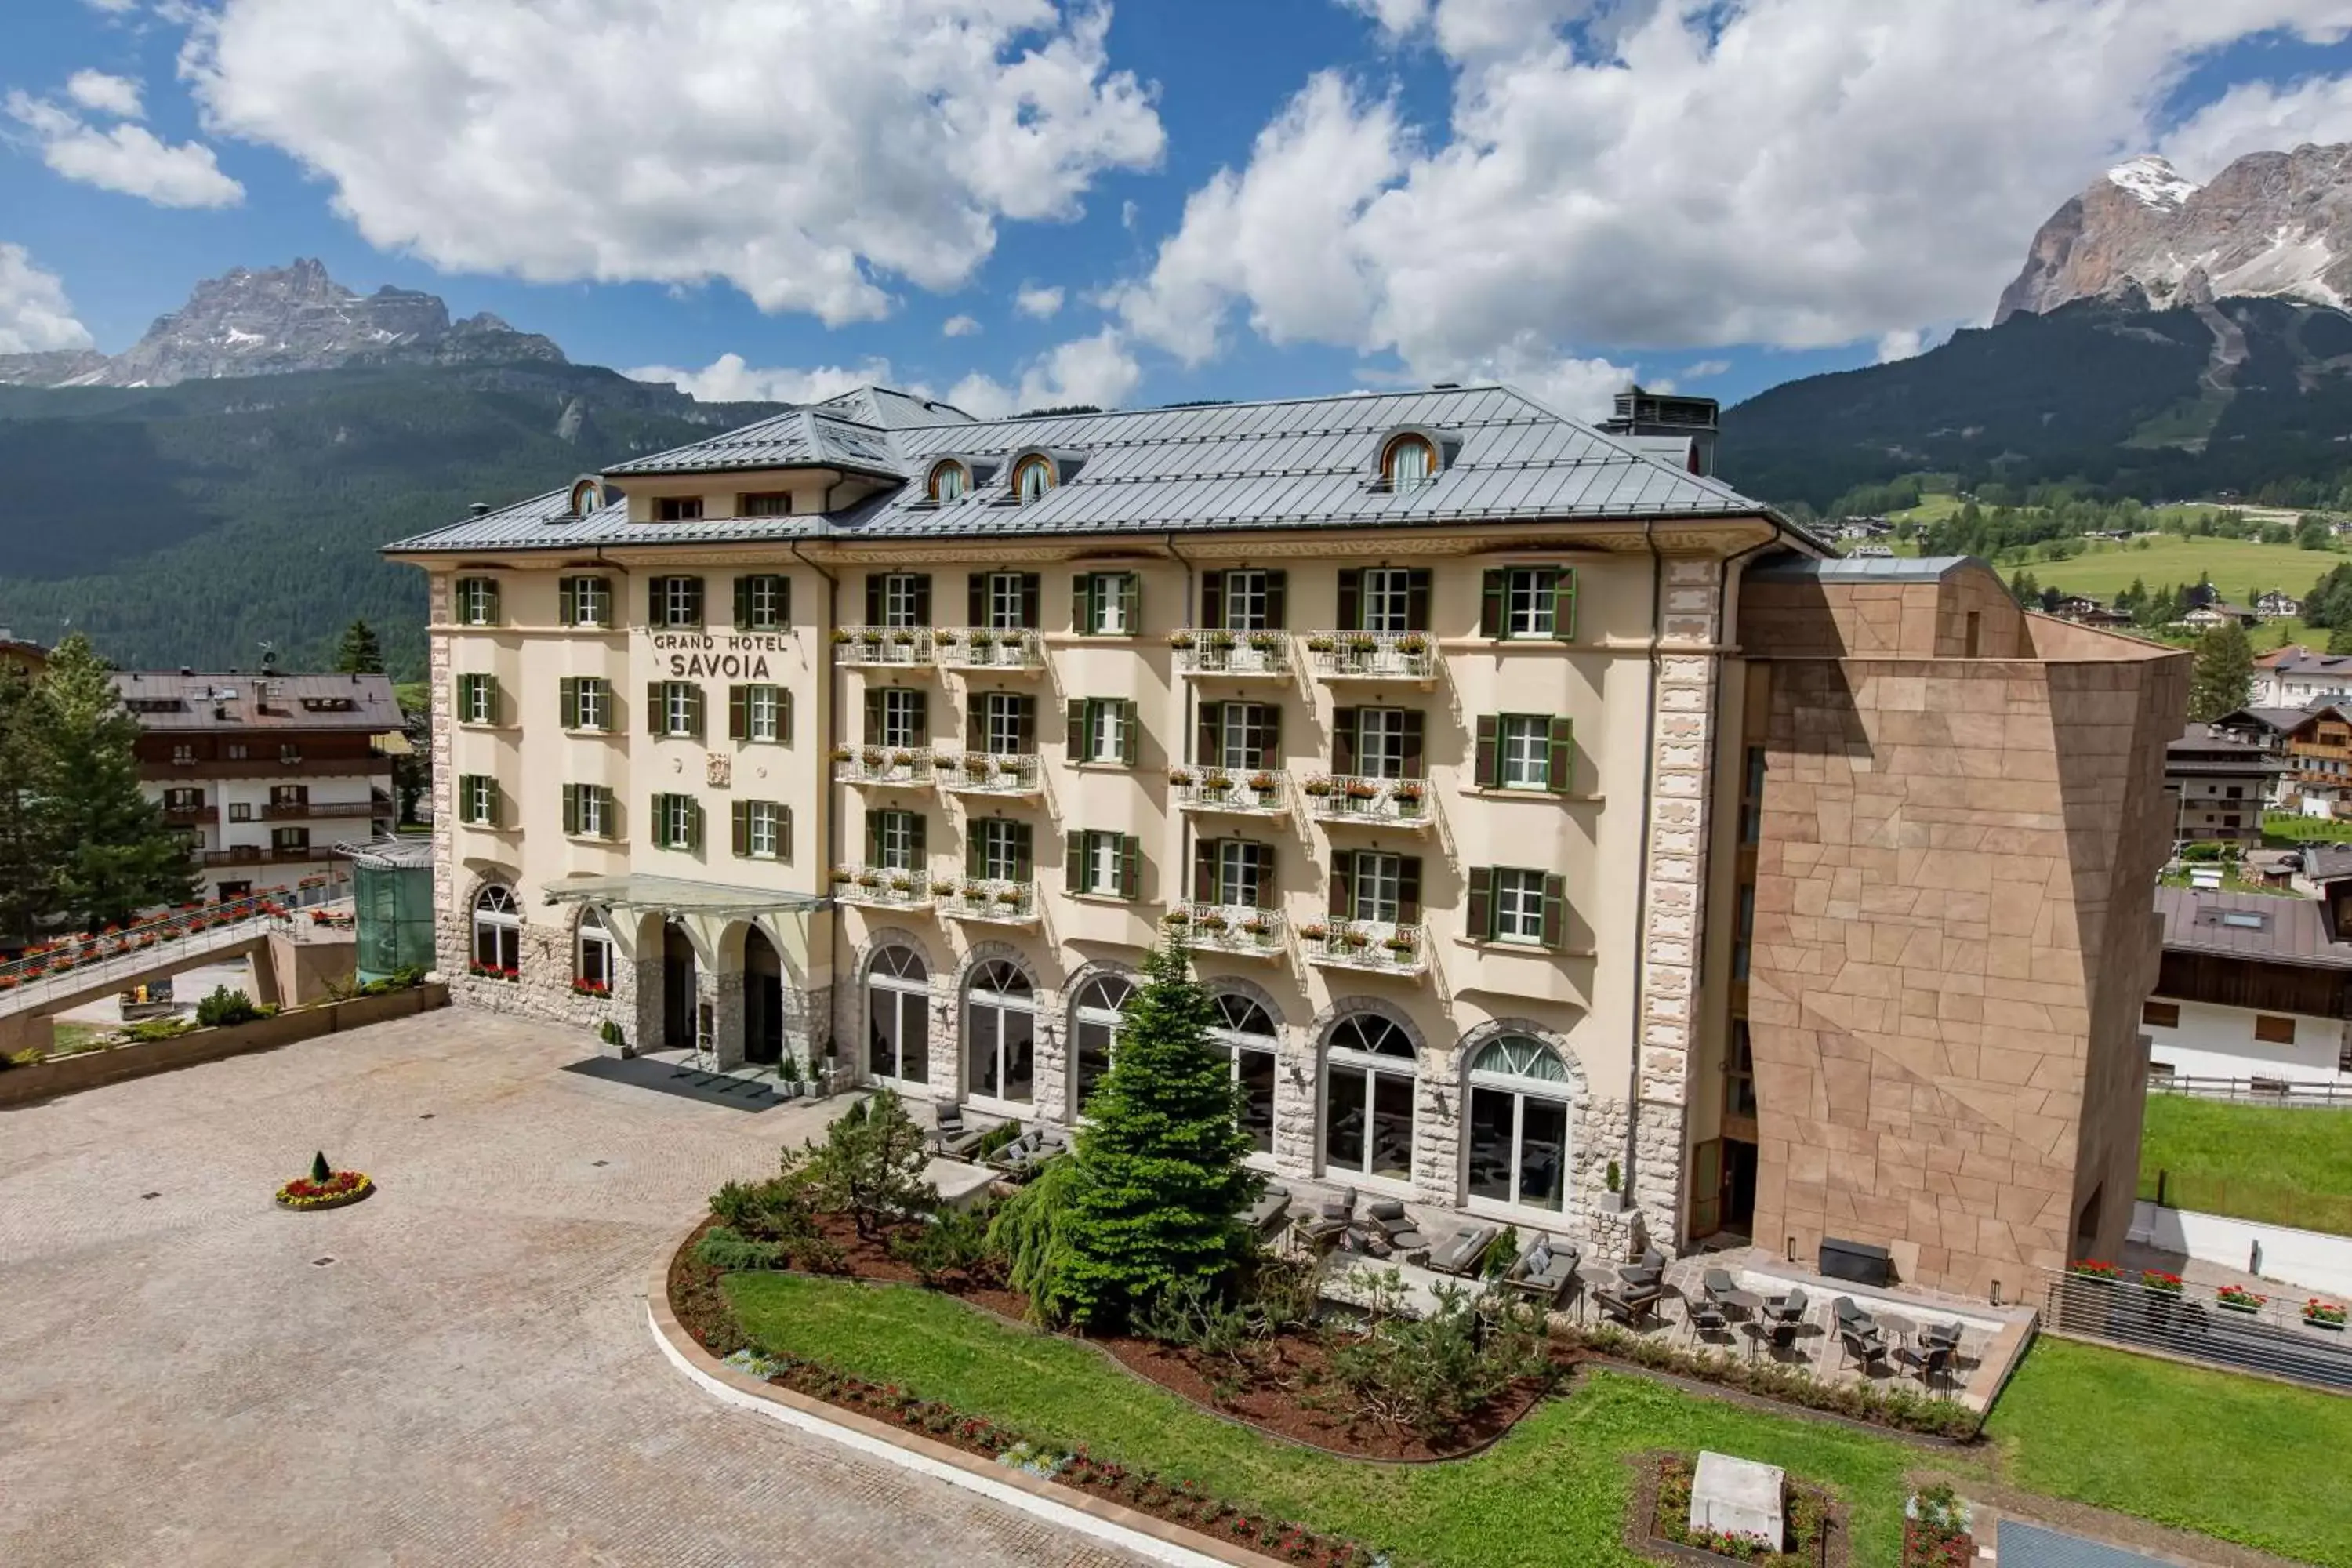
587,495
1032,477
949,481
1408,462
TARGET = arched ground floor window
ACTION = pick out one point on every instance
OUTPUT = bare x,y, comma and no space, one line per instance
898,1016
1246,1031
1000,1033
1367,1092
497,928
1517,1135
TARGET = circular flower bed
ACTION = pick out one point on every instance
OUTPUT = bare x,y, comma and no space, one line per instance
341,1187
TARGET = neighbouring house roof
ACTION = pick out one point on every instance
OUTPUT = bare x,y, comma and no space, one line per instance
2304,662
189,700
2202,749
2327,862
1297,463
2250,926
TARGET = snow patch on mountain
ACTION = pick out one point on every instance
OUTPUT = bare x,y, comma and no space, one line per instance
2153,181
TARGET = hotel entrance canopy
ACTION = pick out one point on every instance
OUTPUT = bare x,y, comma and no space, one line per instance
679,896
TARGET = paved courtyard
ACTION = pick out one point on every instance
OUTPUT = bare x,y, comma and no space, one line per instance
470,1380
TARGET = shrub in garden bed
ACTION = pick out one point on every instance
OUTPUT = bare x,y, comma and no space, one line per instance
1934,1416
1936,1530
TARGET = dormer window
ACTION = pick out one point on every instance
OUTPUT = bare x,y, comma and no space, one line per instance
677,508
949,481
1032,477
1409,462
587,495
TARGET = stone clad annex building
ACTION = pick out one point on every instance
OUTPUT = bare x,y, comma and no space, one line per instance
876,732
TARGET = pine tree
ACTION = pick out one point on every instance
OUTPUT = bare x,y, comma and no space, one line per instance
359,653
1159,1182
117,855
2339,640
2222,679
28,835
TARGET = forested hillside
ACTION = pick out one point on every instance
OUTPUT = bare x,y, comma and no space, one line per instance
190,524
2250,395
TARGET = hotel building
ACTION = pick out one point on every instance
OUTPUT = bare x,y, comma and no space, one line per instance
1525,879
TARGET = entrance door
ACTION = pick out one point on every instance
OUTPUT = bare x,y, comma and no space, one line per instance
763,1001
1738,1187
677,989
1707,1189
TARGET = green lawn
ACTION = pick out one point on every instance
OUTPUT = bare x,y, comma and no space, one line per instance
2247,1460
1554,1491
2253,1462
2256,1162
2107,568
2294,827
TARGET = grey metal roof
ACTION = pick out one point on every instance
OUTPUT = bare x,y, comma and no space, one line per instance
2252,926
1299,463
224,700
1860,568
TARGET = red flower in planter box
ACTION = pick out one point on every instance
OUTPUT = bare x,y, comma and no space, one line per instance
2318,1311
2239,1297
2158,1279
591,987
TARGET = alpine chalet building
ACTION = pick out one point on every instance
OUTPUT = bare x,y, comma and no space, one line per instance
1564,837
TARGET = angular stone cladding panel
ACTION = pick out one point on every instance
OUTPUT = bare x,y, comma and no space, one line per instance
1952,941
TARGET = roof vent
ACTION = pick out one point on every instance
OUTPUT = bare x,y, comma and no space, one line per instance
1445,386
480,507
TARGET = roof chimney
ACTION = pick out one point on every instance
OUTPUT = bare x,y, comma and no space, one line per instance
1644,413
480,507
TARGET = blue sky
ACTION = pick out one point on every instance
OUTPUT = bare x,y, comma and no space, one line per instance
1233,199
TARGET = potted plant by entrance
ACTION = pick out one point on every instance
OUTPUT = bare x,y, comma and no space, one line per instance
788,1077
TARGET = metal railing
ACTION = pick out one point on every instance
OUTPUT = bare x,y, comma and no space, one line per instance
1244,792
2263,1203
1238,928
1205,650
989,773
2276,1336
991,898
980,647
77,965
882,645
2254,1091
265,855
883,766
882,887
1386,947
294,810
1385,803
1374,656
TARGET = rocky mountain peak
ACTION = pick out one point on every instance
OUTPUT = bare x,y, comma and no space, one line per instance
281,319
2272,225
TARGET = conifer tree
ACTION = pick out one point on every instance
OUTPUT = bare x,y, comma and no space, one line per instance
2222,679
1159,1182
28,835
359,653
117,856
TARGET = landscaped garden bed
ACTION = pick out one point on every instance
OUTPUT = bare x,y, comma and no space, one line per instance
324,1188
1936,1533
1814,1538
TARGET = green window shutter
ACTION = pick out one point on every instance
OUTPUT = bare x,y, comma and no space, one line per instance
1026,708
1351,598
491,702
659,831
567,601
1023,869
1555,909
1131,598
1416,599
498,806
784,715
1077,730
1559,762
1032,608
1204,870
1206,752
1563,603
1343,738
739,713
1487,751
1342,901
1082,603
919,717
1263,854
1481,915
694,601
694,826
654,715
568,700
1212,599
784,832
694,711
653,602
971,850
915,825
490,592
976,599
1073,861
739,820
1130,865
873,718
922,598
873,581
1276,586
873,837
742,604
1408,890
1492,588
975,725
1127,730
1415,764
570,808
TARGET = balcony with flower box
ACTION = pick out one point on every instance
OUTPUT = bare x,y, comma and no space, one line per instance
887,767
1239,930
1244,656
1406,657
989,773
882,887
898,646
1374,947
1262,793
978,647
991,898
1347,800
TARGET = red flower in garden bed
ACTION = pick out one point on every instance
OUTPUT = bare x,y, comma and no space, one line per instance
591,987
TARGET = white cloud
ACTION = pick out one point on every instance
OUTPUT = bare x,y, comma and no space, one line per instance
1798,173
729,379
1099,370
2255,116
1041,300
128,158
958,327
1902,343
104,94
35,314
808,152
112,7
1699,369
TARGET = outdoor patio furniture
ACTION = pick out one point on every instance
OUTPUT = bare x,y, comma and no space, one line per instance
1849,1316
1268,1211
1629,1306
1460,1253
1543,1273
1788,1308
1861,1344
1705,1317
1929,1361
950,1134
1718,1283
1947,1334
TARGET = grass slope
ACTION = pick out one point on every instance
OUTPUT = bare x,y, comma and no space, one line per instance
2256,1162
2235,566
2251,1461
